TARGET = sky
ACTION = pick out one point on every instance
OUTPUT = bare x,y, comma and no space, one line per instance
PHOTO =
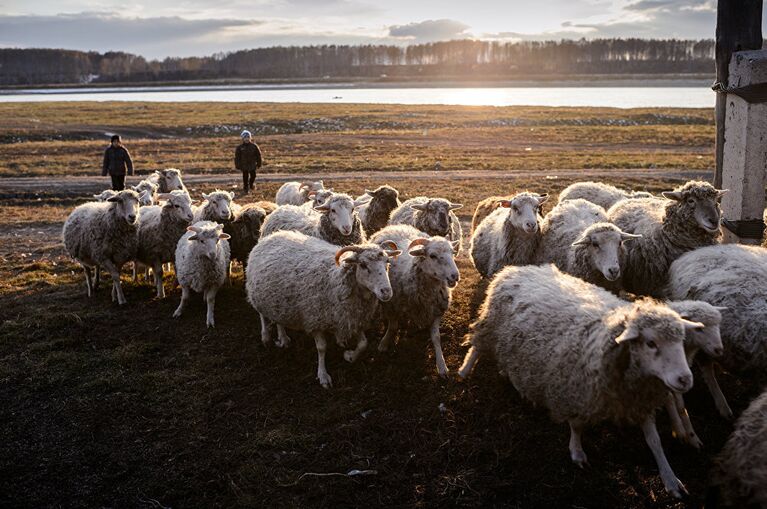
162,28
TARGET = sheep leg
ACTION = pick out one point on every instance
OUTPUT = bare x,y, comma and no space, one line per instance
283,340
391,332
210,298
472,356
673,485
709,377
673,415
436,340
116,286
322,372
689,432
185,293
576,448
158,280
87,271
362,344
266,335
97,279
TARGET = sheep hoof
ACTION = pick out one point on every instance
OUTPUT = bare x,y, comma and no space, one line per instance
580,459
677,489
694,441
325,380
443,372
177,313
211,324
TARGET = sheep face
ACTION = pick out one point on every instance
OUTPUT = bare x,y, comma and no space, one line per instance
145,185
604,243
208,237
105,195
435,215
170,178
524,211
126,204
340,211
437,258
320,197
370,265
655,337
708,338
219,205
180,202
699,203
252,218
145,198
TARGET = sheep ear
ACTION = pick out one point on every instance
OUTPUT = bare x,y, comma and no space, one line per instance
417,251
97,196
194,237
455,206
231,195
389,244
542,198
583,241
135,188
393,253
629,236
358,203
688,325
419,206
205,196
631,333
456,244
224,236
672,195
351,259
504,203
193,228
312,194
720,193
369,193
158,173
114,198
162,196
322,209
721,309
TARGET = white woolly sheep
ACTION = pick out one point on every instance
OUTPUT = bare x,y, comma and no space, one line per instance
334,221
202,260
421,279
584,354
509,235
147,191
296,193
689,219
161,226
599,193
104,234
167,180
733,276
434,216
376,208
562,226
217,207
697,342
302,283
739,476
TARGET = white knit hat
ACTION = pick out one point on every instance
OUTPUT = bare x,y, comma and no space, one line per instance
245,134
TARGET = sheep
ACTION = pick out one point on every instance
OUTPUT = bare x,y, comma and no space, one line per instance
687,220
434,216
422,279
599,193
217,207
202,259
161,226
147,191
735,277
307,284
167,180
104,234
704,342
104,195
377,209
244,230
335,221
317,198
508,236
583,353
485,208
268,206
739,475
296,193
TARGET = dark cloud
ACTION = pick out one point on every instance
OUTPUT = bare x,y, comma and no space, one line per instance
431,30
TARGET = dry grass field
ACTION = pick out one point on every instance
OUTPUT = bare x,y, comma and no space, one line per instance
113,406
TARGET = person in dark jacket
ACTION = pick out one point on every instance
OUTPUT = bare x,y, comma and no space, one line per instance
117,163
247,159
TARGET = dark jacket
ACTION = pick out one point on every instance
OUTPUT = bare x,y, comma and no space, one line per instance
117,161
247,157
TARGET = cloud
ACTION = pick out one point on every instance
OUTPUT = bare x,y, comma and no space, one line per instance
430,30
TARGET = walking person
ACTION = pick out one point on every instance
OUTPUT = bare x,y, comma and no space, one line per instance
117,163
247,159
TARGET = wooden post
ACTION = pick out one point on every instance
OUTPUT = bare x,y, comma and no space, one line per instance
738,28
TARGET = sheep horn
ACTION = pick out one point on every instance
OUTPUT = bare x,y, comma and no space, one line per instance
418,242
629,236
347,249
454,206
542,198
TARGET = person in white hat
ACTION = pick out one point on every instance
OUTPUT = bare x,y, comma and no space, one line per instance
247,159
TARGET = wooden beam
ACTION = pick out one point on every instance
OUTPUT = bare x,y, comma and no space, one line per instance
738,28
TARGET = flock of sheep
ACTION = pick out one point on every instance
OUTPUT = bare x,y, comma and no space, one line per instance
595,311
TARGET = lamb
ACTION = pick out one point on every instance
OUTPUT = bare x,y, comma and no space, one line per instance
508,236
705,342
733,276
335,221
434,216
739,475
161,226
687,220
217,207
296,193
202,259
245,230
345,286
167,180
377,209
583,353
421,279
104,234
599,193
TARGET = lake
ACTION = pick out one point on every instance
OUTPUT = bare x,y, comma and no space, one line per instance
653,94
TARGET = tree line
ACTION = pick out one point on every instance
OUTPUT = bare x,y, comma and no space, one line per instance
465,58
